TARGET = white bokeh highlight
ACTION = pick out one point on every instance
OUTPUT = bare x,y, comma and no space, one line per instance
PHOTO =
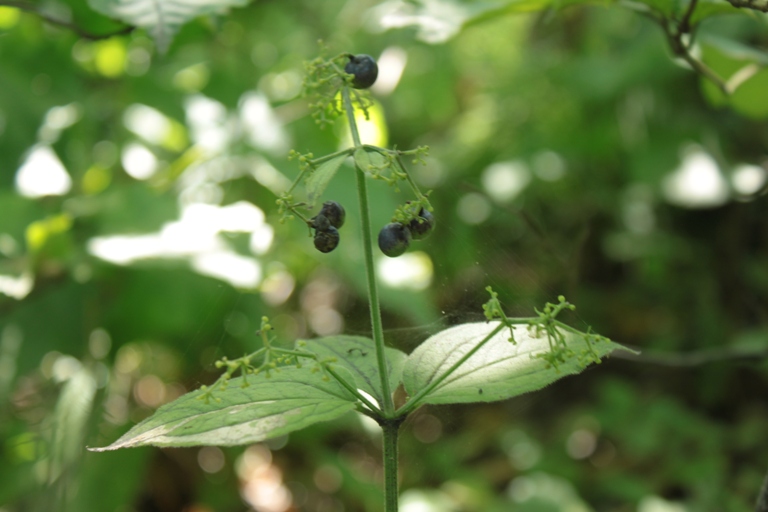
504,181
696,183
42,174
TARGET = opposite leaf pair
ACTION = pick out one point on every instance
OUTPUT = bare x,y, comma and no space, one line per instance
467,363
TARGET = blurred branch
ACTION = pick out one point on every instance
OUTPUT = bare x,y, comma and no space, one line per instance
85,34
684,27
698,358
675,34
749,4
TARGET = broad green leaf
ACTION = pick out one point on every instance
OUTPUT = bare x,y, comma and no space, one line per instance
161,18
743,69
358,355
320,177
708,8
734,49
437,21
499,370
286,400
663,7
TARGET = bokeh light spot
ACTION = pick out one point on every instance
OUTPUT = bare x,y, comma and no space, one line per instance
473,208
42,174
503,181
748,179
110,57
138,161
9,16
211,459
697,183
413,270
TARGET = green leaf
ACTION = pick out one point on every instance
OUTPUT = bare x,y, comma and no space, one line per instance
366,160
734,49
743,68
358,355
288,399
362,159
320,177
499,370
664,8
709,8
437,21
161,18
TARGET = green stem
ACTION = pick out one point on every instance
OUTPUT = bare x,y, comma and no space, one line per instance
377,329
352,389
408,177
331,156
390,429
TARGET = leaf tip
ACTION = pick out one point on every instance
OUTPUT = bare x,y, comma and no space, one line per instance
99,448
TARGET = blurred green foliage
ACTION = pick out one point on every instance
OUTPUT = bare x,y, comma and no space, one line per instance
570,153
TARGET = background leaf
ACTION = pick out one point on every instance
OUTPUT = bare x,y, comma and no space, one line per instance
161,18
289,399
358,355
437,21
709,8
499,370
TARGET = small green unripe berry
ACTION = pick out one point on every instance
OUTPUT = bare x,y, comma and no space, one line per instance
364,70
326,241
334,212
422,229
394,239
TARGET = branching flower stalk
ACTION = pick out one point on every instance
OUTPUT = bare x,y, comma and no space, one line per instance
322,378
392,170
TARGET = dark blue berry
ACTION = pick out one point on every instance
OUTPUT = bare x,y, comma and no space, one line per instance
326,241
421,229
364,70
394,239
320,222
334,212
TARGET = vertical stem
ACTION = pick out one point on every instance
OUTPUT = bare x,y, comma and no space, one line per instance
390,430
373,292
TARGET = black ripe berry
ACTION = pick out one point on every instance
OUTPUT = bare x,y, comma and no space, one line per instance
326,241
334,212
394,239
320,222
421,228
364,70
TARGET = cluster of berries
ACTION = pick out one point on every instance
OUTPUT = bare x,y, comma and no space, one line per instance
395,237
327,224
